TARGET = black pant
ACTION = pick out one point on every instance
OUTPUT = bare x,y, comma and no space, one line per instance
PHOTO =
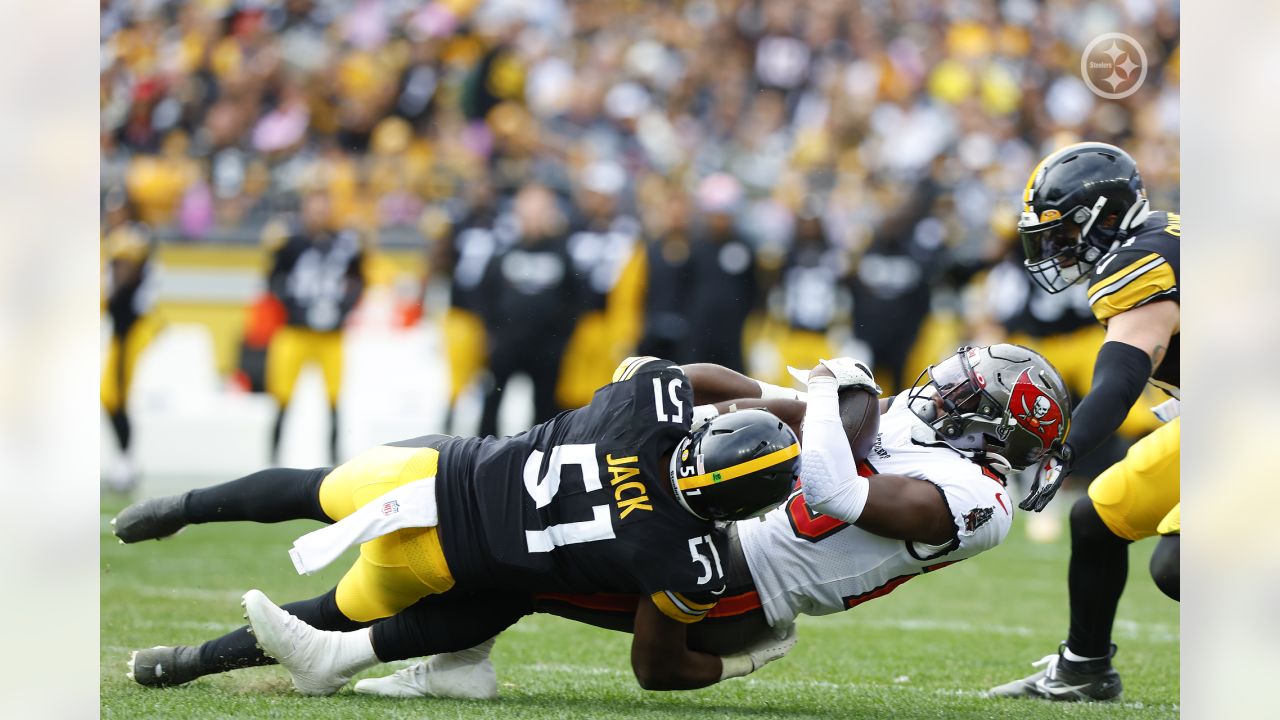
541,363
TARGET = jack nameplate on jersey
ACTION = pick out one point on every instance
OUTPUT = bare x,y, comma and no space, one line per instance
623,484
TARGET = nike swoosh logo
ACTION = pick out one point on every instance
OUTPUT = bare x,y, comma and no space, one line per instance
1000,499
1059,689
1103,265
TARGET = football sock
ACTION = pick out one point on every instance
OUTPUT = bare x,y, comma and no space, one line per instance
333,435
267,496
238,648
437,624
275,436
1078,658
120,423
1096,577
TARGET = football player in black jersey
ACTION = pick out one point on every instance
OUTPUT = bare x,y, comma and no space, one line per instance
128,288
317,273
619,496
1086,216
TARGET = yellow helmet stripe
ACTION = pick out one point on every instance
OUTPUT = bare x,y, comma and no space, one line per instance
742,468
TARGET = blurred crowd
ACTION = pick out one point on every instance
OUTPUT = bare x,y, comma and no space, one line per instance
597,177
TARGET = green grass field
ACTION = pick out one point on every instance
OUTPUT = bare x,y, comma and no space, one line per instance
926,651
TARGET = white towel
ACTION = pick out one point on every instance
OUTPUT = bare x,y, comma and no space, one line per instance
412,505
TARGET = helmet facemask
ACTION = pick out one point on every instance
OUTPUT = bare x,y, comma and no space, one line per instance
1058,249
955,404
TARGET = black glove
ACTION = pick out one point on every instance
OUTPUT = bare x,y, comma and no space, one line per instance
1049,476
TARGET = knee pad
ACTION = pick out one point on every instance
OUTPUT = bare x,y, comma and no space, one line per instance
1087,525
1165,567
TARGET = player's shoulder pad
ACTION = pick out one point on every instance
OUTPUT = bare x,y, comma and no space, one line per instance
684,607
633,366
1142,270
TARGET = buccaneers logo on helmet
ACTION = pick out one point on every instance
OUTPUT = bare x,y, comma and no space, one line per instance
1035,411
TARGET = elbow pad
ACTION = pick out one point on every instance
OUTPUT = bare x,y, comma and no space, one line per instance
828,471
1119,375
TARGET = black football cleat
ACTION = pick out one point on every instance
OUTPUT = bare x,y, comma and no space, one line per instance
163,666
1067,681
153,519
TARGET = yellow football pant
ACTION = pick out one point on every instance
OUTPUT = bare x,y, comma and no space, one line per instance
122,361
1140,496
465,347
395,570
291,348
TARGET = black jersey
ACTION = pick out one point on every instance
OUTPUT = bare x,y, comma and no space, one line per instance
1021,306
581,503
1144,269
319,282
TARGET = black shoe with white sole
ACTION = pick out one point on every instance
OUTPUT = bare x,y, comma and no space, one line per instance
1067,681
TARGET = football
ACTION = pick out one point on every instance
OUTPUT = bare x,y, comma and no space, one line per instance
860,415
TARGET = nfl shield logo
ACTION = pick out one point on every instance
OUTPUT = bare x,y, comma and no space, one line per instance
390,507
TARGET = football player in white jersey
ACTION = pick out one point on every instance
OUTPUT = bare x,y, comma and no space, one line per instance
931,493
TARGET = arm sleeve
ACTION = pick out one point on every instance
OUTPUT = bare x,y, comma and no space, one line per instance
828,472
1119,374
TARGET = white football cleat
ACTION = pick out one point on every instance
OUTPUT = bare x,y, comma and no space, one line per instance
317,659
442,676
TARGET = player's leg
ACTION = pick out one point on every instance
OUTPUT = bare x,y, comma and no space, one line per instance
434,629
1125,503
164,666
267,496
329,347
1165,567
285,356
502,365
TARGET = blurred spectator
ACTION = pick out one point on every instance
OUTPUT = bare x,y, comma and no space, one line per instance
723,265
317,274
526,290
667,331
463,256
128,292
810,289
909,123
608,274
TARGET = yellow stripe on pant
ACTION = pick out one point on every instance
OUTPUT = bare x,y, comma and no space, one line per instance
398,569
1139,496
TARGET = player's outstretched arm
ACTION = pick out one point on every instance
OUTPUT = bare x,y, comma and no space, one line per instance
716,383
1134,347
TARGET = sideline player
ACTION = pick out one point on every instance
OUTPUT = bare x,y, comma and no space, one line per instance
931,494
317,273
129,291
1086,216
577,504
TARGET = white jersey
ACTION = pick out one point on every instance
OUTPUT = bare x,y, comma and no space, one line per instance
804,563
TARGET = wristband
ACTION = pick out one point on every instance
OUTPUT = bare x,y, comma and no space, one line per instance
769,391
704,414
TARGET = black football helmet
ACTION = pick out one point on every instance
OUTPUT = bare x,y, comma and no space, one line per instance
740,465
1004,402
1079,202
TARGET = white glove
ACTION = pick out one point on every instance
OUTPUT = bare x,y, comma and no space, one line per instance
758,655
848,372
